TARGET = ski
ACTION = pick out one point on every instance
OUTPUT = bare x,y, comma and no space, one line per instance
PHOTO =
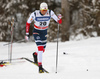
2,63
12,59
5,62
34,63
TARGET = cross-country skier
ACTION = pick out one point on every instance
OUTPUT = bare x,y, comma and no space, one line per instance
41,20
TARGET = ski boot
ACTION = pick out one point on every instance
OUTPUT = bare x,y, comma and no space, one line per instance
35,58
41,69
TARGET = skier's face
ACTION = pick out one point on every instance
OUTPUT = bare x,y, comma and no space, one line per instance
43,11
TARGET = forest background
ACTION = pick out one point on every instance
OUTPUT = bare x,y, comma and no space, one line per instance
81,18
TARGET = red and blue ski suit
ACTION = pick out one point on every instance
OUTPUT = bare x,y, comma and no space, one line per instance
41,23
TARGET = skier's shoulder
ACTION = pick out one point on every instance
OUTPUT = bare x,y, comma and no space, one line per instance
51,12
36,12
32,14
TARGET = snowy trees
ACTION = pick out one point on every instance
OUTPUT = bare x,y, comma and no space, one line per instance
9,9
20,10
84,17
79,16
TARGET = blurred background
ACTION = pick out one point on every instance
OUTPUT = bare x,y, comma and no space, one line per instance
81,19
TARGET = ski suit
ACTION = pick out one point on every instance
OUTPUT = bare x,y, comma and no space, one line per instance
41,23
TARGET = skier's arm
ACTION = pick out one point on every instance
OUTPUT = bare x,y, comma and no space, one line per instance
30,19
27,28
57,19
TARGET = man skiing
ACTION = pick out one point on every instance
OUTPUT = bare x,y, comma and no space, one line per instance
41,20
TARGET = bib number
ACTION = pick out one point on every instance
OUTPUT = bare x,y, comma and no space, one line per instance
43,23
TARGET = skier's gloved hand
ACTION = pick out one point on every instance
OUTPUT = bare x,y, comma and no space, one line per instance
60,21
27,37
59,18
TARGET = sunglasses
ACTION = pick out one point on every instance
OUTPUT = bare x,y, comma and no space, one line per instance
44,9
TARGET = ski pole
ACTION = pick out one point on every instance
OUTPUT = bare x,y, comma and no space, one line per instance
57,49
12,29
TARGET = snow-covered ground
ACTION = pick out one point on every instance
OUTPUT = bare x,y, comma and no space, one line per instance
81,61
